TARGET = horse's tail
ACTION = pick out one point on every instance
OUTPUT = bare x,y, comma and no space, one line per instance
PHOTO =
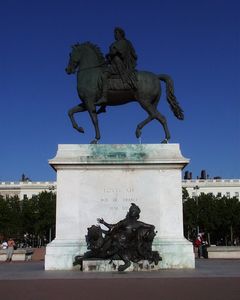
174,105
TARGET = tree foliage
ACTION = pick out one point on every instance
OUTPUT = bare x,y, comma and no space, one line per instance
219,217
33,217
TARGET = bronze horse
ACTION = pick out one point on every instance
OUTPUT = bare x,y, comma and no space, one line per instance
89,63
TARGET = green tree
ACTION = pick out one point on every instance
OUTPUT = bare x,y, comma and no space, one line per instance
29,215
45,213
35,216
207,212
10,216
190,212
4,216
229,216
219,217
185,195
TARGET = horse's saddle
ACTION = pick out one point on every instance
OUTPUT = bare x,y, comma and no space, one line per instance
127,80
116,83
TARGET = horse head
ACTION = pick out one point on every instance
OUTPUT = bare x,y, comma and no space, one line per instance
74,59
86,54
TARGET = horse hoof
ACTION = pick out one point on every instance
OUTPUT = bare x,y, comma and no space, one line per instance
165,141
95,141
80,129
138,133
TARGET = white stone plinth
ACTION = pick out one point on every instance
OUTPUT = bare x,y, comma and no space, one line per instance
102,181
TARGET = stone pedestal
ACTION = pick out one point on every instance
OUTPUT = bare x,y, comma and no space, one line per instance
102,181
112,266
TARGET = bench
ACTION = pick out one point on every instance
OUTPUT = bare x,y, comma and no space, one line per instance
18,255
227,252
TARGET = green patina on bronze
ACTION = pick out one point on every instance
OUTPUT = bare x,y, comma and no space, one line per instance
119,154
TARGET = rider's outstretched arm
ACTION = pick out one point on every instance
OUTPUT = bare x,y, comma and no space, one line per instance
101,221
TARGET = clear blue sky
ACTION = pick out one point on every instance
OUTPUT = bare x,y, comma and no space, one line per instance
196,42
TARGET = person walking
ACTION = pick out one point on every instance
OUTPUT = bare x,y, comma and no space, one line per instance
204,246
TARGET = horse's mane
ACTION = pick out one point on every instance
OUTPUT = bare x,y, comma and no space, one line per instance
94,47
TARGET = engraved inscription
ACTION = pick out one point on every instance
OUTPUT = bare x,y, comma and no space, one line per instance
118,198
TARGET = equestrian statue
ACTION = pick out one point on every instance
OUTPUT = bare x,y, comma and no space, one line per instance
114,80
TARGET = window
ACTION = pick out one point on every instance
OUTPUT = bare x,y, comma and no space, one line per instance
219,194
228,195
237,195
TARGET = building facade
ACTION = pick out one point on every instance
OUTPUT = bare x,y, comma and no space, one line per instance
26,189
218,187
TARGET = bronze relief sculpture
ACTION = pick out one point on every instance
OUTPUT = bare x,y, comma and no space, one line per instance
128,240
114,80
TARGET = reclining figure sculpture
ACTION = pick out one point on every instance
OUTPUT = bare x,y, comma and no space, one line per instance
129,240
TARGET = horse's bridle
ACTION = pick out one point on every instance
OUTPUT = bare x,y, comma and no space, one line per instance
93,67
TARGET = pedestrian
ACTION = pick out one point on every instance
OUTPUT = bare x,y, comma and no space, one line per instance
204,246
10,249
198,244
4,245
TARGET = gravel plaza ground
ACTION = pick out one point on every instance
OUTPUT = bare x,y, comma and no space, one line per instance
212,279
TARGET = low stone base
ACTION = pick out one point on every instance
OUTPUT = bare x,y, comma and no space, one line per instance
112,266
224,252
60,254
175,253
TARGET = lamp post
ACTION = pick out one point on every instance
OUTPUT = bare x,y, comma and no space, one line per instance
196,188
51,189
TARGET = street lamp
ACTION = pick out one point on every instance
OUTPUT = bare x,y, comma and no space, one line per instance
51,189
196,188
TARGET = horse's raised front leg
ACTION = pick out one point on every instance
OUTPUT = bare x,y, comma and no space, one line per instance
140,126
76,109
93,115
